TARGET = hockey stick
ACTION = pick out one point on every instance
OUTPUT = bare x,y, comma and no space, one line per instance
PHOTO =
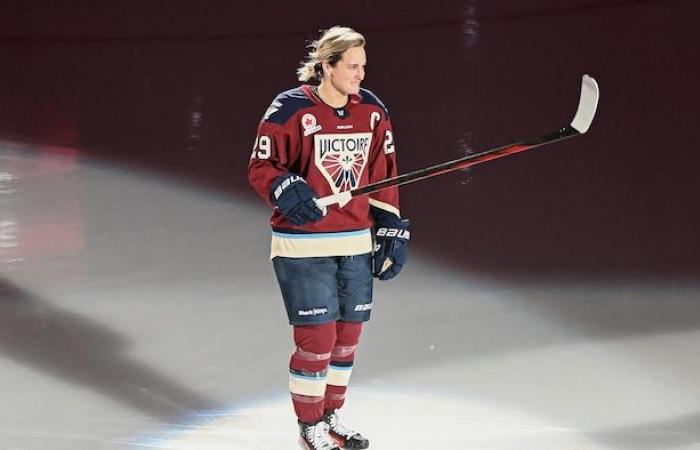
588,102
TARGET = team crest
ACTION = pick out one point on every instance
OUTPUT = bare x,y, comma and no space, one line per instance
308,122
342,158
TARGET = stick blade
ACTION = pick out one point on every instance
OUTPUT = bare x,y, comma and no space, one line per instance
587,105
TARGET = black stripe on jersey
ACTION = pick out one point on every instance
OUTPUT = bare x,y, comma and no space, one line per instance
292,231
369,97
341,363
286,104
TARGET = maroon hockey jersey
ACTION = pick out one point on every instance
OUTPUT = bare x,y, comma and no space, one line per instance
335,150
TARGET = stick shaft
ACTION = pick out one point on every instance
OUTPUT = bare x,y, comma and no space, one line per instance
588,103
467,161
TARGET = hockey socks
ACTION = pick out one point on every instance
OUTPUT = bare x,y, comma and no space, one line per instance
342,359
308,369
320,368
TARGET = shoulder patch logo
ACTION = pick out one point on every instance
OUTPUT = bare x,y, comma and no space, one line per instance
341,158
308,122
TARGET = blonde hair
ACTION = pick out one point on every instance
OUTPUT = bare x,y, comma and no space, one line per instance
328,48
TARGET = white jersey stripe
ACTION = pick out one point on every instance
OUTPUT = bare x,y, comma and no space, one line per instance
292,245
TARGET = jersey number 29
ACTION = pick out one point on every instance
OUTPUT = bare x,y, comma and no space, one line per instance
262,149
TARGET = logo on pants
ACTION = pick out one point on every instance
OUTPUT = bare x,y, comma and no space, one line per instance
365,307
312,312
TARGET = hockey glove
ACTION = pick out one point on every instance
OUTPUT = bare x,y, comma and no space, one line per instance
295,199
389,256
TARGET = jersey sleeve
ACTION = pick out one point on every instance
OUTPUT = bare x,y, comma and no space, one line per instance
276,146
383,166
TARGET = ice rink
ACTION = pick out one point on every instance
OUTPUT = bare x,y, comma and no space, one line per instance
153,321
550,301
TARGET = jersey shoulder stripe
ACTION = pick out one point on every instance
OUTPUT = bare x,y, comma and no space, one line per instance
285,105
368,97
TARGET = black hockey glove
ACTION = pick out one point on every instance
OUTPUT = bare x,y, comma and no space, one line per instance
391,239
295,199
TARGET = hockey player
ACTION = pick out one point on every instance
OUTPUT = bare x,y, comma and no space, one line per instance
316,140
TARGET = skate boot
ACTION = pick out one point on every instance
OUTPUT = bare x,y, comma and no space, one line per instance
316,437
347,438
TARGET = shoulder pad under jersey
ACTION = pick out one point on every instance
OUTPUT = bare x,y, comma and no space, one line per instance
368,97
285,105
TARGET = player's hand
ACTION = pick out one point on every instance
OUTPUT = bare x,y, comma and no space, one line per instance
295,199
390,249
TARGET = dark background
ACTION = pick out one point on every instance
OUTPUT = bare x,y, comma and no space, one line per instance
179,87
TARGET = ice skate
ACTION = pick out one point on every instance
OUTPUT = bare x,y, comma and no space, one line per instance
316,437
346,437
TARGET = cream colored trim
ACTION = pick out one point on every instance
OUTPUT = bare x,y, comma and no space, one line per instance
320,244
313,387
339,376
385,206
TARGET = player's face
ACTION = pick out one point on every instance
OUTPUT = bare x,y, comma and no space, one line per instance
349,72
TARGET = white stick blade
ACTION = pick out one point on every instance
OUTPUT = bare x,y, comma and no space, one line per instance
587,105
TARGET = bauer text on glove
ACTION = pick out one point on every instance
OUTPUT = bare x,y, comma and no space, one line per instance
295,199
390,249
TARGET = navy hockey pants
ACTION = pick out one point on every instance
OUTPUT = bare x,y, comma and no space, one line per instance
325,289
